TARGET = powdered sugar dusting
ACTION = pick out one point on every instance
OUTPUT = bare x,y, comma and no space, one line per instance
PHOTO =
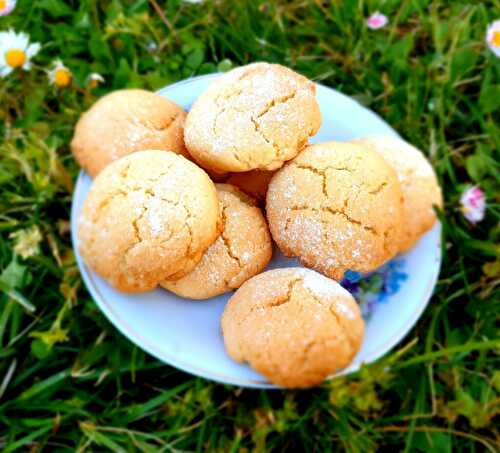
344,309
156,222
321,285
253,99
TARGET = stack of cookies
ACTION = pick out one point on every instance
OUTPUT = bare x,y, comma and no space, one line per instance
191,202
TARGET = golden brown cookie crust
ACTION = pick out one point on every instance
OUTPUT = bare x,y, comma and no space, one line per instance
242,250
148,216
253,183
419,184
126,121
293,325
254,117
336,206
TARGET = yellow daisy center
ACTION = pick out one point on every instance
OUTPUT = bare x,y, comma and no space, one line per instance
15,58
93,83
3,4
62,77
496,39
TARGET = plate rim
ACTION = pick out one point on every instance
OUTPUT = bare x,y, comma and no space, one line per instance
135,337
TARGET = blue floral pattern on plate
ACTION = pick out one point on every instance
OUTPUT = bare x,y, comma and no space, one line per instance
377,287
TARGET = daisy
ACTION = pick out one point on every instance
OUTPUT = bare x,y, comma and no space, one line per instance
376,20
473,204
7,6
493,37
94,79
15,51
60,75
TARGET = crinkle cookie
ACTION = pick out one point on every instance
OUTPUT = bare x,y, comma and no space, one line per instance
336,206
253,117
126,121
253,183
242,250
148,216
418,181
293,325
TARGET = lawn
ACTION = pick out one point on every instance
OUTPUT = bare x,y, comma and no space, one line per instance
70,381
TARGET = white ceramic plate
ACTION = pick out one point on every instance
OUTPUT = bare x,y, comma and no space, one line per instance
186,334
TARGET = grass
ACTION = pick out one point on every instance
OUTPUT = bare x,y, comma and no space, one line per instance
70,382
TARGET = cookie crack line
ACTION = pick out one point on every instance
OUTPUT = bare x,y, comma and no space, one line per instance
151,194
124,175
322,174
172,121
266,109
249,72
137,235
162,127
281,301
378,189
385,244
135,226
321,171
227,242
234,152
274,145
105,203
335,211
234,94
216,118
286,299
331,310
281,100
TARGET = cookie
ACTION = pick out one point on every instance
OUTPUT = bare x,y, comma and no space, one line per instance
419,184
126,121
293,325
148,216
253,117
242,250
336,206
253,183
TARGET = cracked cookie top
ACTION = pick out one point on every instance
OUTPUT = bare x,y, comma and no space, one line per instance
336,206
419,184
148,216
242,250
126,121
253,117
293,325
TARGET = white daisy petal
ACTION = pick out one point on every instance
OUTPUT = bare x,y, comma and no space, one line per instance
493,37
16,51
94,79
5,71
33,49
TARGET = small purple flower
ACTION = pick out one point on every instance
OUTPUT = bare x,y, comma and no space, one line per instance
376,20
377,287
473,204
